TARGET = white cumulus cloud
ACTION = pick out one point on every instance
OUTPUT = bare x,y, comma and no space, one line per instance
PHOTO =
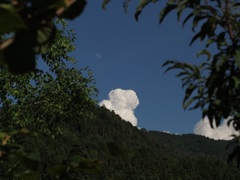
123,103
223,132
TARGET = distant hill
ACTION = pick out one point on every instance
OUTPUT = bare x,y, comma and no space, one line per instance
195,145
124,152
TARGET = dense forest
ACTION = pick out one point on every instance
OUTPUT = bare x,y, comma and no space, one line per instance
107,147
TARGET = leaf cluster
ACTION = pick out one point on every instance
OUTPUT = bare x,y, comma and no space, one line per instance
219,89
30,30
141,5
216,90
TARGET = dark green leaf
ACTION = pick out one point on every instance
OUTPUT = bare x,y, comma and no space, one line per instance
74,10
141,5
236,82
188,102
197,19
187,18
45,37
10,20
188,92
30,160
104,4
198,35
166,11
237,58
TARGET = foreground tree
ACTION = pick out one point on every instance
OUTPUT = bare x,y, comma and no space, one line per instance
42,101
214,85
32,30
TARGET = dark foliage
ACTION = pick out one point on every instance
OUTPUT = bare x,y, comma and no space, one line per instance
108,147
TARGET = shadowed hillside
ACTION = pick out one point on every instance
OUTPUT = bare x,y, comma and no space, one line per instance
111,148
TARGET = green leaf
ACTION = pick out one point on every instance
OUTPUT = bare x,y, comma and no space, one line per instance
74,10
10,20
2,135
188,102
198,35
237,58
181,7
197,19
188,93
204,52
187,18
221,39
166,11
236,82
30,160
104,4
45,37
141,5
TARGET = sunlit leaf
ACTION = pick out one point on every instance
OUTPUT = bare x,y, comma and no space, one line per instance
45,37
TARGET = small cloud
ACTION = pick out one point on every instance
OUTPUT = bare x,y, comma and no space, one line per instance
167,132
123,103
98,55
222,132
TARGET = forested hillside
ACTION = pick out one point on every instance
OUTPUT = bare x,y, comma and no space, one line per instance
108,147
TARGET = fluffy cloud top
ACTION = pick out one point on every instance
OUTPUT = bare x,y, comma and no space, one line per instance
123,103
223,132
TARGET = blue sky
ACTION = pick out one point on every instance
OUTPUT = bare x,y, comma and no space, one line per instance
127,54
